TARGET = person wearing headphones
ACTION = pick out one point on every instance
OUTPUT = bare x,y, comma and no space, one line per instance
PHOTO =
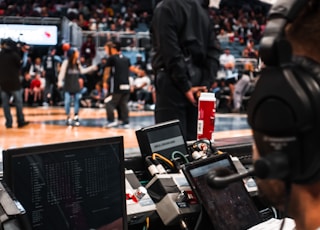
284,112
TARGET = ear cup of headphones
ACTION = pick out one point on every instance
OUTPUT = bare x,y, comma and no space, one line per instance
283,112
279,104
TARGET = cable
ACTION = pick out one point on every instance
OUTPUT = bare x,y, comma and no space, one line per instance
198,223
183,225
275,212
153,170
181,154
286,205
146,226
219,152
160,167
166,160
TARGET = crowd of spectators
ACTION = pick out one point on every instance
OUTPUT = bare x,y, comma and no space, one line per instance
234,21
89,15
238,27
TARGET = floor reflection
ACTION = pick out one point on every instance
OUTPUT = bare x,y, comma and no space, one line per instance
223,122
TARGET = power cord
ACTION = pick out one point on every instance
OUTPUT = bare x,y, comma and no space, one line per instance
183,225
182,156
160,167
153,170
178,161
163,159
199,219
147,224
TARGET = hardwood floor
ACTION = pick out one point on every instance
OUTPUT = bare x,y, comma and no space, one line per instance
47,126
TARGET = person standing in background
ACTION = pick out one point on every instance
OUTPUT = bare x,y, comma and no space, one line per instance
186,59
242,86
27,92
51,65
228,64
10,65
69,79
116,74
88,50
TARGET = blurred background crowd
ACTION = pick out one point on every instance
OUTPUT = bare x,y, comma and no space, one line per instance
238,25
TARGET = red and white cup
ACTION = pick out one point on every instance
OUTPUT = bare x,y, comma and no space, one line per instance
206,116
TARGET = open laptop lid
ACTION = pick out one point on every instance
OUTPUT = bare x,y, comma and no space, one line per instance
163,138
227,208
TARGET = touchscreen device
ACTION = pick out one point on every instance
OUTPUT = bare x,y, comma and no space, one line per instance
227,208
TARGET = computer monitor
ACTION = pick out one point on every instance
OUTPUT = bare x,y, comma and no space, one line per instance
74,185
163,138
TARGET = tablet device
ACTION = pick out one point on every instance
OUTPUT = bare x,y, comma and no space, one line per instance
227,208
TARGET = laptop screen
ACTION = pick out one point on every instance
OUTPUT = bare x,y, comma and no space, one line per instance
227,208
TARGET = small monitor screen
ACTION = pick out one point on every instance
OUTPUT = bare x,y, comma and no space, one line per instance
74,185
227,208
163,138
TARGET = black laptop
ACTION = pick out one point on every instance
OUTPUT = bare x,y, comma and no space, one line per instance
227,208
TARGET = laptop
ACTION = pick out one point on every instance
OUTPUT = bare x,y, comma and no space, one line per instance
227,208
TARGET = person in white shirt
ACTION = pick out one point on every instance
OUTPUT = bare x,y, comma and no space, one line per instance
227,63
227,60
142,88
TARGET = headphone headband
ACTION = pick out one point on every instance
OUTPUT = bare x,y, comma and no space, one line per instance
274,49
287,9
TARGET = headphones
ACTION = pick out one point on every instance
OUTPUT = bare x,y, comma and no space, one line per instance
284,109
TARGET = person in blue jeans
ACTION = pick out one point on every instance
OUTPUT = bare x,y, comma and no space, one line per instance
10,82
69,79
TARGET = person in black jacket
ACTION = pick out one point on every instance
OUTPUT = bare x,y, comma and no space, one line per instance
185,61
10,63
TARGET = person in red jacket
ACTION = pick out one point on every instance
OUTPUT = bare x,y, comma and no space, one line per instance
36,88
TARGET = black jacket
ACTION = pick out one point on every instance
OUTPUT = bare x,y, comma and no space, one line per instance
9,70
183,29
